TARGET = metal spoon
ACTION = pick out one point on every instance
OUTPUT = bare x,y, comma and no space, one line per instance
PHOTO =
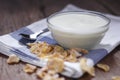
34,35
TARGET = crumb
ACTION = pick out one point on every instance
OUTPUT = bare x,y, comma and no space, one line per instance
28,68
13,59
104,67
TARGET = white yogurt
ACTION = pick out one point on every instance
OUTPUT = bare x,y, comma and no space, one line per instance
78,22
78,29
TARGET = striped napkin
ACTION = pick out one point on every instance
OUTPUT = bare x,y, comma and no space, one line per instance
12,43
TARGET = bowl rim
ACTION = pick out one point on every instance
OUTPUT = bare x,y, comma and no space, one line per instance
81,12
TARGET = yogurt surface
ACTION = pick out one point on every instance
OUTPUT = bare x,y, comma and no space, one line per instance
76,22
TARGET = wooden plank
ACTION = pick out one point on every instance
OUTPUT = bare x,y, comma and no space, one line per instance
13,72
18,13
53,6
112,5
90,5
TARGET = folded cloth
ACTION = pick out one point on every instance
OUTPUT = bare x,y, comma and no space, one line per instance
11,43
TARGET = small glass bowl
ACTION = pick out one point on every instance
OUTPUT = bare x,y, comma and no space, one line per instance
74,39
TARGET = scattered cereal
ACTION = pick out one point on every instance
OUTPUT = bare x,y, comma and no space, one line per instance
29,68
41,74
56,64
13,59
84,51
45,50
48,75
56,56
71,58
51,72
74,51
116,78
86,68
45,69
58,48
103,67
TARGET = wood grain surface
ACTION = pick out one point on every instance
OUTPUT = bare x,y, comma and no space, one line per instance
15,14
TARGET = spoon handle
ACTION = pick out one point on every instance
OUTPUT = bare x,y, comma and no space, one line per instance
43,31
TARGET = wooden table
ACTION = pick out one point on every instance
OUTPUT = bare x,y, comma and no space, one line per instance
15,14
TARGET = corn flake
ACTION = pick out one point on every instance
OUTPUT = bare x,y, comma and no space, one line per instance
56,64
41,74
58,48
84,51
86,68
29,68
13,59
104,67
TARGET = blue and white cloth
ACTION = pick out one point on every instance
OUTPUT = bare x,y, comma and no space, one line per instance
12,41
